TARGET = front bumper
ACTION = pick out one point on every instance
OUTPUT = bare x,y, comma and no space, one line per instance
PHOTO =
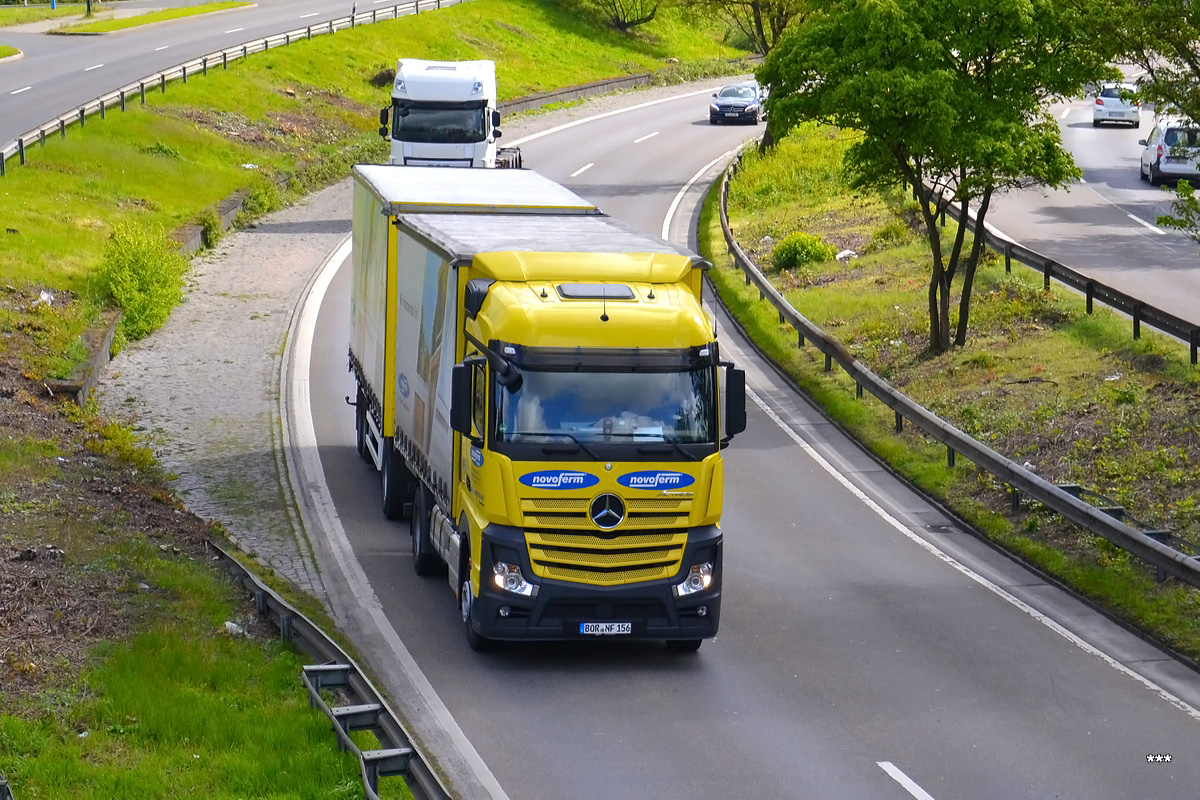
733,115
560,608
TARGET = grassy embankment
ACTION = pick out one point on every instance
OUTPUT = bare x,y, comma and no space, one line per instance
21,15
1039,380
116,631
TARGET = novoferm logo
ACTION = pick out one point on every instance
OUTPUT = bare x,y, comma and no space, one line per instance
559,479
656,479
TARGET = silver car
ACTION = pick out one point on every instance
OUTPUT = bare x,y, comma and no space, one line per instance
1171,151
1116,103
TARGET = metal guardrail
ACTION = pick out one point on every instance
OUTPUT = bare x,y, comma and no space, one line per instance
1145,545
363,707
136,91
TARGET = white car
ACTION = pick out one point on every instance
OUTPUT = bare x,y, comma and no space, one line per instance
1116,103
1171,151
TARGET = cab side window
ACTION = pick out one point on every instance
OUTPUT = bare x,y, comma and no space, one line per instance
478,397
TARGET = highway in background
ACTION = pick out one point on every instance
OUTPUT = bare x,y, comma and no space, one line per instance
869,647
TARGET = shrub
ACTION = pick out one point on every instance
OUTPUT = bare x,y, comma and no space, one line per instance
213,230
800,249
143,274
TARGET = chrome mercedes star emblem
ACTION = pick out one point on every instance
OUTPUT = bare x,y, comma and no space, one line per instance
607,511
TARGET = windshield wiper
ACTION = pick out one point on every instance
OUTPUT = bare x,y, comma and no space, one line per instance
563,434
668,439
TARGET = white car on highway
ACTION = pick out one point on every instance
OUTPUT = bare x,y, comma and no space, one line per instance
1171,151
1116,103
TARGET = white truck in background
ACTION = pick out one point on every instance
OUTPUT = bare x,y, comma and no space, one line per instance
444,114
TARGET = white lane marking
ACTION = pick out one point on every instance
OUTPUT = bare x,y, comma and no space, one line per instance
666,228
582,169
18,91
164,47
235,30
566,125
306,16
1154,228
908,783
967,571
89,69
644,138
1063,115
313,484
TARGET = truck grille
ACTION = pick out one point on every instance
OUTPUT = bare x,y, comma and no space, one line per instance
565,545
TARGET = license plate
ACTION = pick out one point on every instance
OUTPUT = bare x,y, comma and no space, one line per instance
731,113
1176,160
605,628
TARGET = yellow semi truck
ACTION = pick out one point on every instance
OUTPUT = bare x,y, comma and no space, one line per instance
541,391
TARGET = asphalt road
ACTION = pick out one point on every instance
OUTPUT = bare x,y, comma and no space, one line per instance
869,648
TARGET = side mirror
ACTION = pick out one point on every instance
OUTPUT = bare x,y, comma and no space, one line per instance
496,134
735,401
495,118
460,399
1142,142
383,116
714,94
383,131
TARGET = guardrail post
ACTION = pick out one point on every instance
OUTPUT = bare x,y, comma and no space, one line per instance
185,73
950,454
1089,290
82,116
1046,269
225,59
245,52
1195,344
21,150
62,128
1164,538
3,165
266,45
1008,257
204,64
101,108
781,319
162,82
942,217
285,627
858,390
122,99
1014,499
828,363
799,339
1137,320
42,136
899,423
374,15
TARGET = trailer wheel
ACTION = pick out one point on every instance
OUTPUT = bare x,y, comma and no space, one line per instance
395,482
684,645
425,560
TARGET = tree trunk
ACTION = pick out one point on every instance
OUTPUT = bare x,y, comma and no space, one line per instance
964,302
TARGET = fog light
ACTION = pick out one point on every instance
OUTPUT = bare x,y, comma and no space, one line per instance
699,578
702,611
508,577
505,611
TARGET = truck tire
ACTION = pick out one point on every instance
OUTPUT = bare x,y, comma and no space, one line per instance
684,645
395,482
425,560
475,640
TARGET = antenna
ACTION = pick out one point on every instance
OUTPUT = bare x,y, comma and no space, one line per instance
604,306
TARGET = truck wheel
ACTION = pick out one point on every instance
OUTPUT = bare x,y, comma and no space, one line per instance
360,426
425,560
466,600
684,645
395,482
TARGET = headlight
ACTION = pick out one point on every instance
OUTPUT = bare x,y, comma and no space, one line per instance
714,107
752,107
699,578
508,577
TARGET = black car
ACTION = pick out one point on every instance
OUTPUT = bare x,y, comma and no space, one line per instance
738,102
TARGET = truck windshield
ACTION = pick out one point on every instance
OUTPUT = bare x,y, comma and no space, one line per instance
609,407
450,123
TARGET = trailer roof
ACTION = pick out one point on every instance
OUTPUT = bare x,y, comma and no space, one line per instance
463,236
403,190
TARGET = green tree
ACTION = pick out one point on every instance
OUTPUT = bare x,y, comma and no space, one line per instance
949,97
762,22
626,14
